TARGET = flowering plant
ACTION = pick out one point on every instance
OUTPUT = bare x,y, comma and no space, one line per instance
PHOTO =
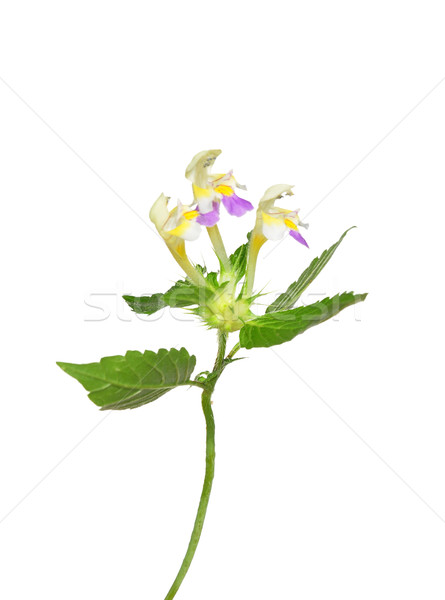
223,300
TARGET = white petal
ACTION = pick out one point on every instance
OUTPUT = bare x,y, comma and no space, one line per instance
274,232
192,232
205,205
273,228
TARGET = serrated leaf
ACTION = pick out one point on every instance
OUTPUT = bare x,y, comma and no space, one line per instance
120,382
279,327
294,291
146,305
182,294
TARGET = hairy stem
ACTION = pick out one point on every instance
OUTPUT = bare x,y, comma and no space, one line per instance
222,341
210,468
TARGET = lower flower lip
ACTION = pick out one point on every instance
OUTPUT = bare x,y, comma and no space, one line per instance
298,237
210,218
236,206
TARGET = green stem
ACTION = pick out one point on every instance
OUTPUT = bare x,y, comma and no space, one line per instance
209,472
222,341
218,246
205,495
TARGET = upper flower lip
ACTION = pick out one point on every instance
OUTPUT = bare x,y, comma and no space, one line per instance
159,213
273,193
198,169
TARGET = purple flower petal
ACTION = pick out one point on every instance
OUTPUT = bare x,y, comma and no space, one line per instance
211,218
236,206
297,236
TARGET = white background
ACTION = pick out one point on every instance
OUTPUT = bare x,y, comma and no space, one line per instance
331,448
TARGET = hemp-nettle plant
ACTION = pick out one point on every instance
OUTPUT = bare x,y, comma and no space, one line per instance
224,300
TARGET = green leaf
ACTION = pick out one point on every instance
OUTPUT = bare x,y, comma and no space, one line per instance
119,382
146,305
238,260
183,293
294,291
278,327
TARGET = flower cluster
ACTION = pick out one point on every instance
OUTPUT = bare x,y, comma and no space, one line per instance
209,191
184,223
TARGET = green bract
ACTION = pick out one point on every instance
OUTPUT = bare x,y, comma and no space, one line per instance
217,301
223,300
294,291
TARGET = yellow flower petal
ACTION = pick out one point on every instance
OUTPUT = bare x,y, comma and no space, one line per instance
225,190
291,225
191,214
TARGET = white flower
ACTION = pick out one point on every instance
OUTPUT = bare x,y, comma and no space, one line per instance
209,189
274,222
